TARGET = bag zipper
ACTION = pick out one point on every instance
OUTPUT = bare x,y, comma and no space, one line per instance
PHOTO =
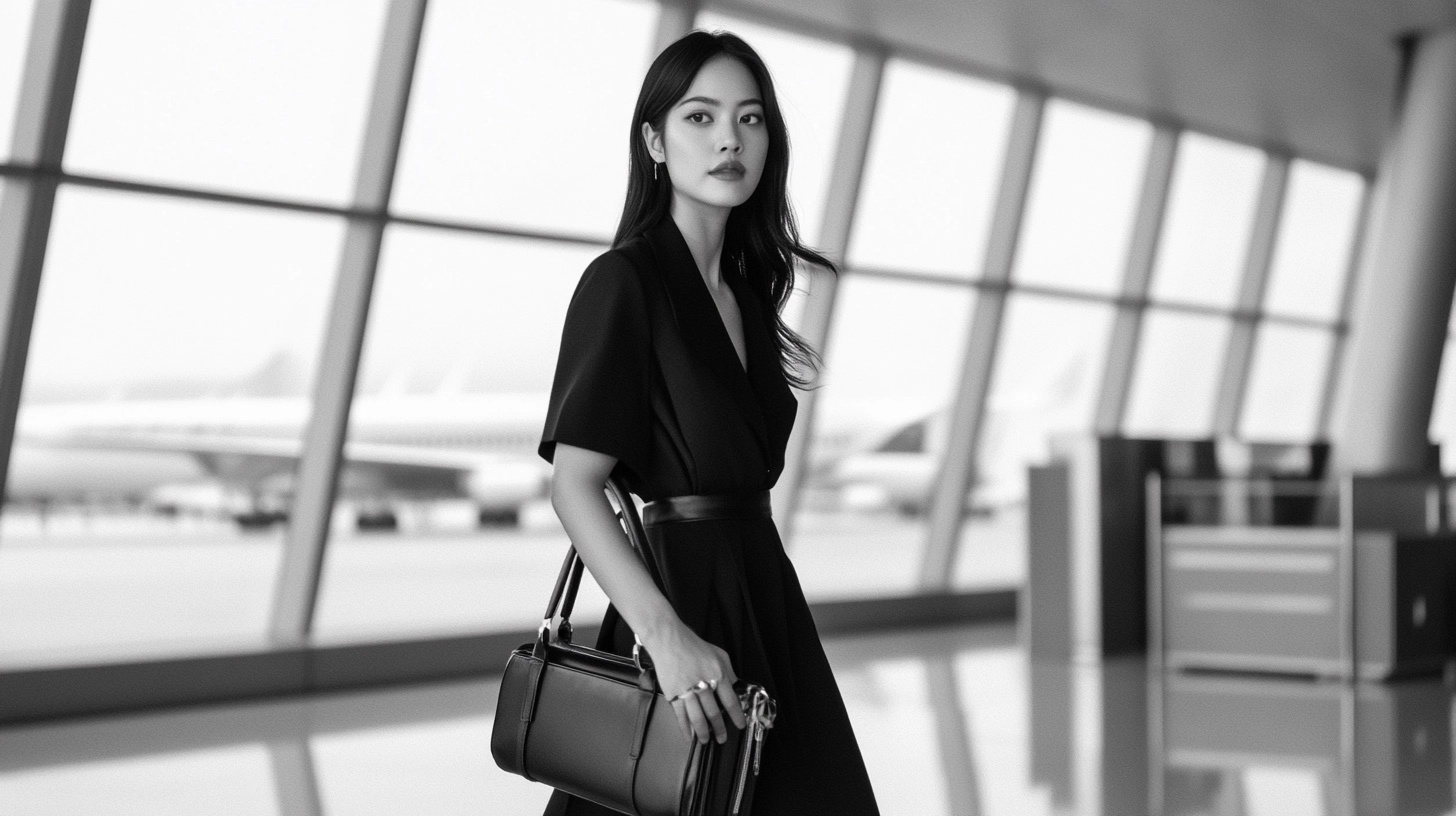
761,713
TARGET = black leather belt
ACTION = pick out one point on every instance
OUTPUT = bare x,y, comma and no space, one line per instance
712,506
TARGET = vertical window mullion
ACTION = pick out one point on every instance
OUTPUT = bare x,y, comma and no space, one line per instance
1122,345
296,591
968,408
27,204
1239,354
838,221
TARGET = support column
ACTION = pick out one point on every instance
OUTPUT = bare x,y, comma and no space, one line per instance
1407,276
834,231
43,118
957,472
296,594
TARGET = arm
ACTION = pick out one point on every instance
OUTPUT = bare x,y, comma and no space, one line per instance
681,657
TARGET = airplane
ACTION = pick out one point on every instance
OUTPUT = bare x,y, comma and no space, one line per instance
235,455
893,466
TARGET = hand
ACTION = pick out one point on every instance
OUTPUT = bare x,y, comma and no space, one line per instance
682,660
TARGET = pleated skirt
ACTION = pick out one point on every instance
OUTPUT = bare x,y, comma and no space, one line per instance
731,582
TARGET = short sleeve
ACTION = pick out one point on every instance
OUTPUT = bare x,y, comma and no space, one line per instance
600,397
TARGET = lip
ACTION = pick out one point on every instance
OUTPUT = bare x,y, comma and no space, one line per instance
731,170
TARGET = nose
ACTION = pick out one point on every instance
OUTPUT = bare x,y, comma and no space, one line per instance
728,141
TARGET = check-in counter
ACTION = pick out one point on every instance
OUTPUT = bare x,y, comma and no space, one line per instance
1368,597
1085,595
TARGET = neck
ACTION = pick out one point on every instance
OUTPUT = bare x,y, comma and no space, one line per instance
702,228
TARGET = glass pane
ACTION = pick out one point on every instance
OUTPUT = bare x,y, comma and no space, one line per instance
173,351
1443,416
444,511
266,97
1047,376
513,106
935,158
1180,357
1084,193
1316,236
811,78
1286,383
1206,230
14,38
894,356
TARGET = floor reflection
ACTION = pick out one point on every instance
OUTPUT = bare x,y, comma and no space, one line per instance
1260,746
953,722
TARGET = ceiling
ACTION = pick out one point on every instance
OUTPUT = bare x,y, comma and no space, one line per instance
1314,77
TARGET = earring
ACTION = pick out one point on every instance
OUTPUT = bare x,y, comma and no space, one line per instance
654,170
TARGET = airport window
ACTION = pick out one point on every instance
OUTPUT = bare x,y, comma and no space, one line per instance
1084,192
14,37
1316,232
443,505
170,362
1048,372
503,121
174,347
934,163
265,98
893,362
793,311
1286,383
1210,213
811,78
1180,358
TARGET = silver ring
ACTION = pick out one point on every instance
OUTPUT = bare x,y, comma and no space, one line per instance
702,685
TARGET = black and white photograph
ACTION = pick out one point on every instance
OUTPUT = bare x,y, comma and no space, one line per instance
727,407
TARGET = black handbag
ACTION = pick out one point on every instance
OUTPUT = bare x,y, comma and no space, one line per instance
595,725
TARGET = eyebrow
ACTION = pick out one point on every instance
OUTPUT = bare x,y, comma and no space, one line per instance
708,100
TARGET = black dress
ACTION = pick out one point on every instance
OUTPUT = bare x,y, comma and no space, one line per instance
648,374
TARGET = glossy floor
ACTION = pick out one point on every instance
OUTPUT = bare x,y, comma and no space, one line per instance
952,721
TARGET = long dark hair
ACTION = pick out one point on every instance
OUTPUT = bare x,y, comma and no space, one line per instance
761,242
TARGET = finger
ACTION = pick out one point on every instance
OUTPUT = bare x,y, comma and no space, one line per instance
694,708
728,699
679,711
714,713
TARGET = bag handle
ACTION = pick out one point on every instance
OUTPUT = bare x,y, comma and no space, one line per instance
568,580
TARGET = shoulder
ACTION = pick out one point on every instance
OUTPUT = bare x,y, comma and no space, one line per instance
618,273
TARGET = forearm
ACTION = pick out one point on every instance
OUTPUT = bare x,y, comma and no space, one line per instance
592,525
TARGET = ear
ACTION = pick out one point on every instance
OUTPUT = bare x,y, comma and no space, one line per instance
653,139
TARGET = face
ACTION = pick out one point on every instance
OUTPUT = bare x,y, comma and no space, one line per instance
714,140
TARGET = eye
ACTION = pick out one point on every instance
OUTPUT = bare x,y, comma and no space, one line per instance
751,119
697,117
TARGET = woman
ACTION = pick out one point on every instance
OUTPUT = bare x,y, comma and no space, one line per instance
674,372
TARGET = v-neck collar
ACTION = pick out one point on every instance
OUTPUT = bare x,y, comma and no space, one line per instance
702,325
